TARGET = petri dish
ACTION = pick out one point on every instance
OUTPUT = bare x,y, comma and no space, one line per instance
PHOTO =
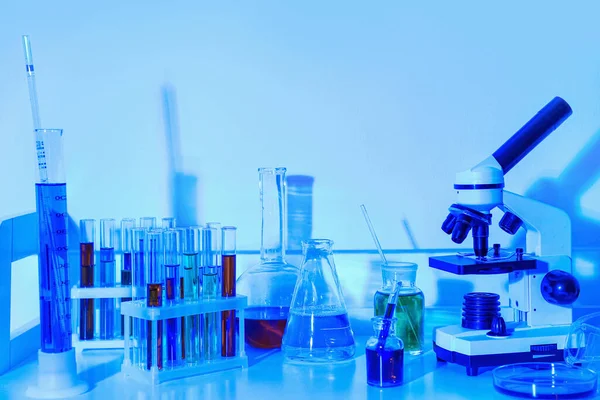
545,380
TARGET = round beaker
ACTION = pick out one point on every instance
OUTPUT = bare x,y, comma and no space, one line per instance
318,328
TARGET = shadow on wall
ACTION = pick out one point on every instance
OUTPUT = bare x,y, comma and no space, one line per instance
565,193
182,187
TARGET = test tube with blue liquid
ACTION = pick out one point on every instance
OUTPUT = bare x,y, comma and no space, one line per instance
107,272
154,297
138,292
210,291
191,290
127,226
87,234
172,262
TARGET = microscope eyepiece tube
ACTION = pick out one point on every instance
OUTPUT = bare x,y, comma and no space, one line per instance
532,133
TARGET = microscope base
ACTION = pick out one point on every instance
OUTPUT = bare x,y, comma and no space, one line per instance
474,349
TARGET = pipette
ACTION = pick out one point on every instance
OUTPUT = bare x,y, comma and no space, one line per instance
35,111
386,326
388,316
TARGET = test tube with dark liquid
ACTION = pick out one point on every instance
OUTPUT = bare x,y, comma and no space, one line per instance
87,233
228,326
191,324
210,291
154,276
107,272
127,226
172,262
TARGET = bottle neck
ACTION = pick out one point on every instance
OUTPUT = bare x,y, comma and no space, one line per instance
391,279
379,325
273,203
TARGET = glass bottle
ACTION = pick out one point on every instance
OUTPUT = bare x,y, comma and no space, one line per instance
270,284
318,328
409,308
385,361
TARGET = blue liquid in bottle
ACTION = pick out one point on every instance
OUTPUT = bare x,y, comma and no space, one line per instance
55,300
318,335
385,367
107,306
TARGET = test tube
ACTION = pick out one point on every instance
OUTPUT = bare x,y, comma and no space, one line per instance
127,226
153,262
107,277
148,222
87,234
229,271
219,248
210,291
172,261
138,291
190,325
169,223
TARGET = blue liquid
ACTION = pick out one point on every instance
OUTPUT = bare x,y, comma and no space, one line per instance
326,335
385,367
55,300
107,306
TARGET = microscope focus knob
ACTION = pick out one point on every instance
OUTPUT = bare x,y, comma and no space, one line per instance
498,327
448,224
510,223
560,287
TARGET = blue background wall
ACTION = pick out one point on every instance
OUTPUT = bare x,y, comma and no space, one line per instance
382,103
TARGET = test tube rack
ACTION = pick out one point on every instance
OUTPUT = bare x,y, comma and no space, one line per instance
138,310
78,293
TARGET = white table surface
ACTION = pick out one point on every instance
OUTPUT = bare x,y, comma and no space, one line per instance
268,377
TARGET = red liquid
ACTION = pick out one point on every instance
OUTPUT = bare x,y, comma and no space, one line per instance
265,326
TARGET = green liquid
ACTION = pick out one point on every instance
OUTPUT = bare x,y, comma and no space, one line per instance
409,315
210,284
191,323
190,276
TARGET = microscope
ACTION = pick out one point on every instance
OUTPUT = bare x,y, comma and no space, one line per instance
541,287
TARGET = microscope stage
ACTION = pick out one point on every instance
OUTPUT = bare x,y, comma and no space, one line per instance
467,265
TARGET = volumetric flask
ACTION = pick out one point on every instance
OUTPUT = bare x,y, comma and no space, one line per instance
318,328
269,285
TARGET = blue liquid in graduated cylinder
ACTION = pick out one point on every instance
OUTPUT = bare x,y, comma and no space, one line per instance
107,306
55,300
318,335
385,367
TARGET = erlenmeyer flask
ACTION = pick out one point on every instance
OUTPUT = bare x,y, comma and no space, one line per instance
318,328
270,284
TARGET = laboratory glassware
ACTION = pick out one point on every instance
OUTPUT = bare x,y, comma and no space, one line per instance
57,370
138,292
107,273
269,285
582,347
127,226
172,262
191,324
217,227
299,210
385,361
228,333
168,223
148,222
87,234
409,308
545,380
210,291
154,296
318,328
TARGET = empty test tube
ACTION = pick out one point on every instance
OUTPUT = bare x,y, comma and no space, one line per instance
191,324
168,223
172,261
148,222
107,277
228,328
153,262
87,234
127,226
210,291
219,265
